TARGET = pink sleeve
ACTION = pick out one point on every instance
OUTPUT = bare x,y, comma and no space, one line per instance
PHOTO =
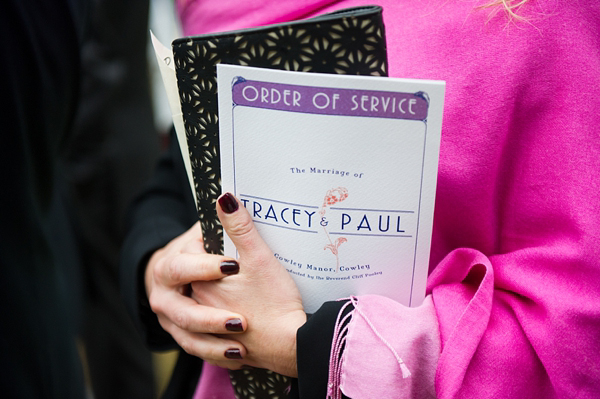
524,324
471,340
515,270
382,361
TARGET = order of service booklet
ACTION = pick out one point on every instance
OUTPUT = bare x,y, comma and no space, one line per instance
338,173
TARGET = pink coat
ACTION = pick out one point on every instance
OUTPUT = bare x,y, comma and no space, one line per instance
513,305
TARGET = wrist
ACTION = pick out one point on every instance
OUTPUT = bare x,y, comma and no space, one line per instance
285,362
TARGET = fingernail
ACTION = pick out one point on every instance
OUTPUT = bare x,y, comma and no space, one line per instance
233,354
234,325
228,203
230,267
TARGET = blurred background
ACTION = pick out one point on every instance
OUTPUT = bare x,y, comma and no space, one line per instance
120,128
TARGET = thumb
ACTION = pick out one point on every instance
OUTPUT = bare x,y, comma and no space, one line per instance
240,228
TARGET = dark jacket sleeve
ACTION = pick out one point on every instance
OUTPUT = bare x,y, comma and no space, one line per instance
313,344
163,211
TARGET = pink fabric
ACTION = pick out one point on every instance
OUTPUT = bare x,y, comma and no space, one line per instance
515,270
198,17
214,384
336,360
412,333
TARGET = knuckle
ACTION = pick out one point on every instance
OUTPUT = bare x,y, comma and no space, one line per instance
241,228
209,325
174,270
157,270
181,320
154,304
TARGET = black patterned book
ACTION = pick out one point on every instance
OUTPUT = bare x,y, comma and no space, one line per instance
350,41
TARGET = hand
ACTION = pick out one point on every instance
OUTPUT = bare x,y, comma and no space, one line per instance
263,291
167,277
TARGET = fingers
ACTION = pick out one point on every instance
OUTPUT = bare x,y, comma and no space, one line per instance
187,267
183,318
240,228
191,240
186,314
194,246
220,351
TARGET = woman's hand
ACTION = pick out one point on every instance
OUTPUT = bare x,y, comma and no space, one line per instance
262,291
167,280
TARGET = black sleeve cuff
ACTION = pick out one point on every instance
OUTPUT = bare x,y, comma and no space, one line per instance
313,345
137,250
163,211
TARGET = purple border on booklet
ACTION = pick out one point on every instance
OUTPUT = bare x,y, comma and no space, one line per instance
330,101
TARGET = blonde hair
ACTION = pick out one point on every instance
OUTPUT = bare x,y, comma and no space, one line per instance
510,7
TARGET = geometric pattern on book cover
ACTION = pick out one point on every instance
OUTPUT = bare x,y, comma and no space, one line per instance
350,41
353,45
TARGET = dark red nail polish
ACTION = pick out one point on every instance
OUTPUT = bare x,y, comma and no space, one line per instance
233,354
228,203
230,267
234,325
